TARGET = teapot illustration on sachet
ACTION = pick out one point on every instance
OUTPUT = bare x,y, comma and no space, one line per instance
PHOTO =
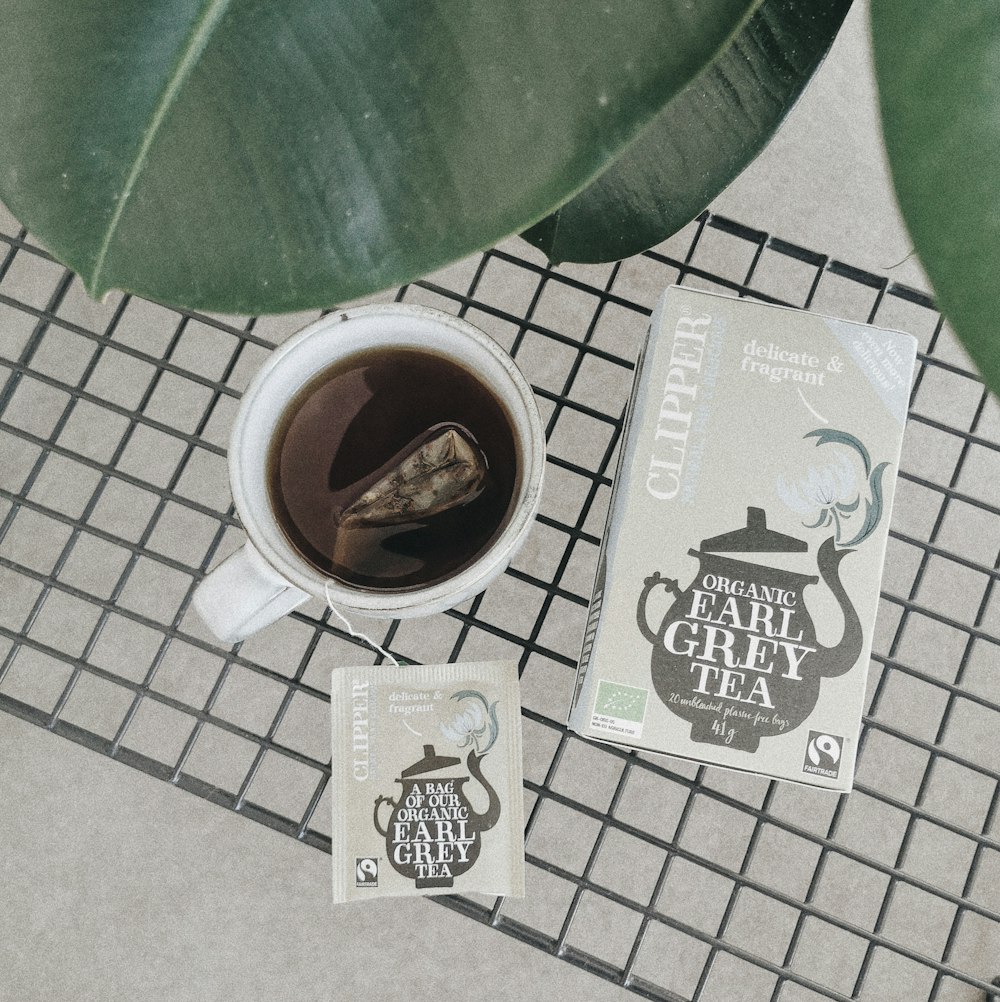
433,834
736,653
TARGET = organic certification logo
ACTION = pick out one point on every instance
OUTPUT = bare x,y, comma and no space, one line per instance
619,709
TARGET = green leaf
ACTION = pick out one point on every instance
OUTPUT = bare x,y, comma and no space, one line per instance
254,156
699,141
936,65
824,436
873,508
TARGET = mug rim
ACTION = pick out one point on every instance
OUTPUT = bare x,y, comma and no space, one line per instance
278,551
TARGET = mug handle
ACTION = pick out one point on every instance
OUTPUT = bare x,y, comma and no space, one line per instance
243,595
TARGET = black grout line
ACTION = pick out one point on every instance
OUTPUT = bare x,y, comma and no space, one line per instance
93,464
50,318
133,562
36,469
595,852
33,343
136,416
147,534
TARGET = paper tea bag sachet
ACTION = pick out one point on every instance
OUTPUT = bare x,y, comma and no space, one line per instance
426,780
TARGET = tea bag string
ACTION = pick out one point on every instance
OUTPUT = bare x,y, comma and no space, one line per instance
354,633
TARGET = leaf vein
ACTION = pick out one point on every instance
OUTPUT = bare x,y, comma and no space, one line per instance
198,39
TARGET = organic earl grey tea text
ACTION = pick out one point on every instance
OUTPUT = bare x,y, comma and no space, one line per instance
732,615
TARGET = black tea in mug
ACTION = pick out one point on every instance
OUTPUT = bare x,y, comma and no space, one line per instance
393,468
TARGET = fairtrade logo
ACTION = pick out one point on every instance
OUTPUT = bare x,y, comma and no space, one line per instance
824,747
823,754
366,871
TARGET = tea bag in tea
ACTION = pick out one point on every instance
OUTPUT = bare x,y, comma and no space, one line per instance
443,471
426,781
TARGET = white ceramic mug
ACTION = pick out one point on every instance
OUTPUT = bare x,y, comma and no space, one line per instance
267,578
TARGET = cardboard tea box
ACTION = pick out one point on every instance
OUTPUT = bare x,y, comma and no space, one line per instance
732,615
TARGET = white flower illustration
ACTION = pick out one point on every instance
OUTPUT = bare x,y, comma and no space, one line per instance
833,493
823,487
468,724
475,724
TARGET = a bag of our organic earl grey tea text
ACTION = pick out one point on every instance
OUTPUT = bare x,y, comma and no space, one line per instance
426,780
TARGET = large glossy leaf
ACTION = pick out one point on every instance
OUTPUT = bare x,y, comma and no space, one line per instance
252,155
700,140
937,63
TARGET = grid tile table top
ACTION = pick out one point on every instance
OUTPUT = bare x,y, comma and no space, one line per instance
675,881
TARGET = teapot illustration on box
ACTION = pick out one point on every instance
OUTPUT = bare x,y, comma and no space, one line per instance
433,834
736,653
